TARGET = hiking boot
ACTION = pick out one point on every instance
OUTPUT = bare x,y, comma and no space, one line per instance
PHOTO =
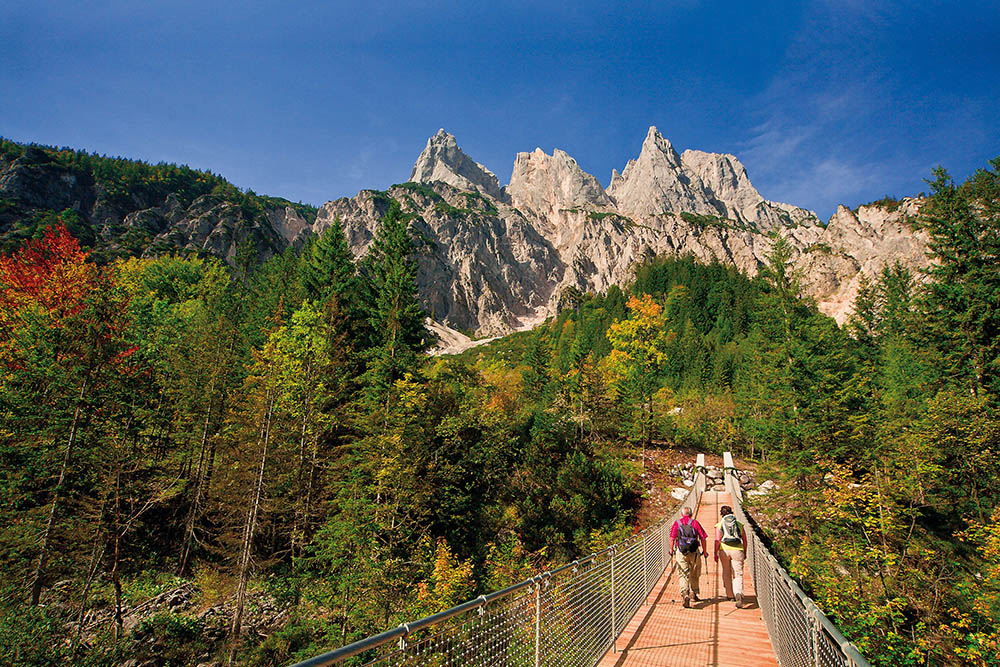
739,600
694,596
687,602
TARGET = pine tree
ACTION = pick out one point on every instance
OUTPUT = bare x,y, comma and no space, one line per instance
895,290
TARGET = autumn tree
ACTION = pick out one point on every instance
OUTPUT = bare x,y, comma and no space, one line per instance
63,345
639,345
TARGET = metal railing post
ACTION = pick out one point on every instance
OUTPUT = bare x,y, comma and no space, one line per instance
538,623
614,635
814,622
645,570
663,546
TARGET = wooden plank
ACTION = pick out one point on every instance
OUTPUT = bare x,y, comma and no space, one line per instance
712,632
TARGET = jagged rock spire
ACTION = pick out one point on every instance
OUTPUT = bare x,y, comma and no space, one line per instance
655,183
443,160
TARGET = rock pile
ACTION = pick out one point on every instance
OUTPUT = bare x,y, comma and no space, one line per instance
262,616
714,477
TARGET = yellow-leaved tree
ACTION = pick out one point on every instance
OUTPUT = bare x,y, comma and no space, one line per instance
639,352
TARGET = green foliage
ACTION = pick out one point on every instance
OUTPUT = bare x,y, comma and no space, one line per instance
421,189
173,639
476,201
122,186
707,221
396,317
889,203
961,306
147,584
277,429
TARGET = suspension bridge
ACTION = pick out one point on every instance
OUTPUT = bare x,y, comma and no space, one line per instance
621,607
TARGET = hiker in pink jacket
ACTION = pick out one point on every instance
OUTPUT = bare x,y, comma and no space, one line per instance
685,535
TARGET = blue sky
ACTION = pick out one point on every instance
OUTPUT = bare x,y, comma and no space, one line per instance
825,102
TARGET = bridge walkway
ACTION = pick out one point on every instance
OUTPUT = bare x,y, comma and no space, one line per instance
712,632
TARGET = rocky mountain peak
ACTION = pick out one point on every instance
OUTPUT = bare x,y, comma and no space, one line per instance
658,147
492,269
656,182
543,182
443,160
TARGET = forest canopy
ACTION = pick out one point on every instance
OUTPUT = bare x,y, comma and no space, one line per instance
277,438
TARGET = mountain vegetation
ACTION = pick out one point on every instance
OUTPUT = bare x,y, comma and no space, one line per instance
252,463
118,207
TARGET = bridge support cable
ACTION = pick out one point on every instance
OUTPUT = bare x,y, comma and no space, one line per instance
801,634
570,616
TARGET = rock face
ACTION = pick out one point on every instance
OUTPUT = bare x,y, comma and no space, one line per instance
726,178
442,160
861,242
145,219
480,270
656,183
551,183
493,260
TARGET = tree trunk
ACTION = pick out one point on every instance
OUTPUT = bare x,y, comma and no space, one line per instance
248,534
298,523
193,511
96,556
115,555
310,486
43,556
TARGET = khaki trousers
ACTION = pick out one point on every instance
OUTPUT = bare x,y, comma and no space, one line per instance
732,571
689,571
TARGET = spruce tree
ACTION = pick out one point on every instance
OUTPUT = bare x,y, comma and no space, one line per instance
329,266
961,303
396,316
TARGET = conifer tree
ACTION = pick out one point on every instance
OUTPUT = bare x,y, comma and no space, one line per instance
962,301
329,266
396,316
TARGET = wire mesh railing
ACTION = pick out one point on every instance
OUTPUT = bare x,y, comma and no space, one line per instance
801,634
568,617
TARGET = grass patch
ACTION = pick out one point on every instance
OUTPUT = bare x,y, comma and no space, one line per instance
420,189
148,584
821,248
890,204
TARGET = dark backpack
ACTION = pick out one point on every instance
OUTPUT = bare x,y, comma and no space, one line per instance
687,538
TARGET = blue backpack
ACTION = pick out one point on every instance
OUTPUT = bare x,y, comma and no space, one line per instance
687,538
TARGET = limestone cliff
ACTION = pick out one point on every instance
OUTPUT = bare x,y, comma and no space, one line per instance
862,241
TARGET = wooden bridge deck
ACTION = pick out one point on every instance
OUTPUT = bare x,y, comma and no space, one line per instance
712,632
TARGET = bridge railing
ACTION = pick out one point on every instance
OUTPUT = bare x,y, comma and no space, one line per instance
569,616
801,634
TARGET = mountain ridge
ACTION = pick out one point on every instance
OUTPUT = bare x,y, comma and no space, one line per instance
491,259
584,237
